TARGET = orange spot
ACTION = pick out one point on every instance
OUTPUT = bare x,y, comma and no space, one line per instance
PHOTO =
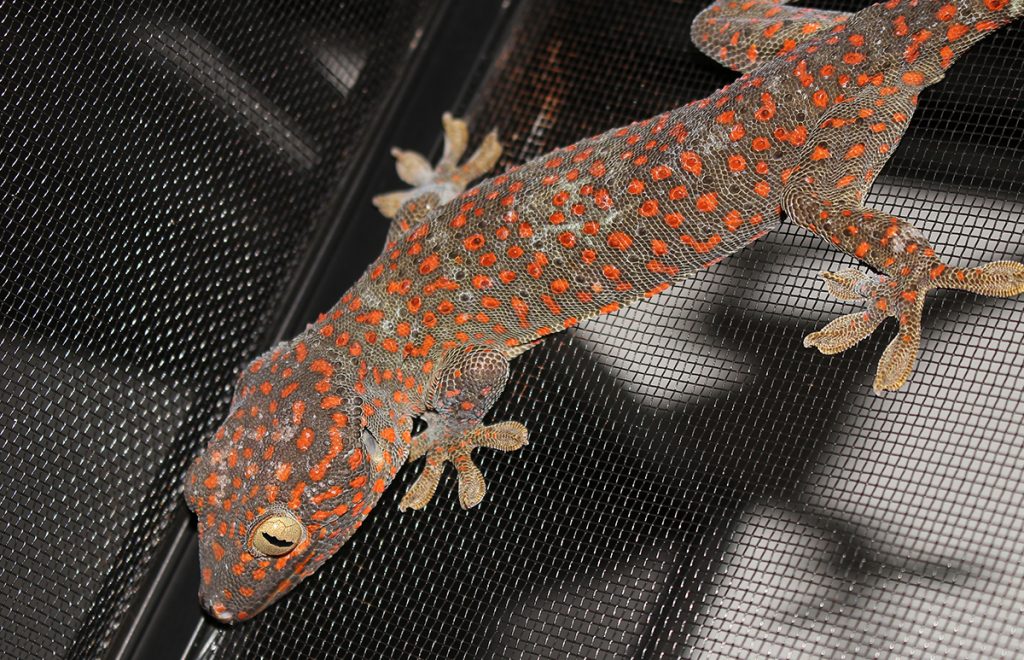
913,78
795,137
429,265
649,208
733,220
737,163
550,303
767,109
820,153
705,246
855,151
946,54
619,240
305,439
861,250
691,162
522,310
673,220
707,202
956,31
660,172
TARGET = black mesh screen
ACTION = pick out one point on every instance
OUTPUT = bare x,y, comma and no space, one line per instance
165,166
697,482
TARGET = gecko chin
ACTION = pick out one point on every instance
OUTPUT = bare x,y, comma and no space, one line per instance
287,479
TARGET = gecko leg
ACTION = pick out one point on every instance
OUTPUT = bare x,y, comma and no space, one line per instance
435,186
464,388
909,270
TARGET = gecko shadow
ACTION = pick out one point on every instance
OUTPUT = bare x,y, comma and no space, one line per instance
615,512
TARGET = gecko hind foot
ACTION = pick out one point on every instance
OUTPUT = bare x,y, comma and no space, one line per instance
903,301
504,436
448,178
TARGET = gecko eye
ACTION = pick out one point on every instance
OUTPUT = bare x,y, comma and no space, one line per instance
277,535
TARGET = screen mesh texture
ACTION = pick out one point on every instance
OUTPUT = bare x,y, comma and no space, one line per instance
165,167
697,482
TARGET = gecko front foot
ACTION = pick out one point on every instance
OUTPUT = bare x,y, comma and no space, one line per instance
903,299
457,449
448,178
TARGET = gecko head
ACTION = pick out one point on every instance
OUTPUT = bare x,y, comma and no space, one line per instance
298,464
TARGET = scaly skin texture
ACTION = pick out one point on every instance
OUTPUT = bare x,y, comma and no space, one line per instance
320,425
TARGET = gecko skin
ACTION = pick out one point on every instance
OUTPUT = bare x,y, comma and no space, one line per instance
469,279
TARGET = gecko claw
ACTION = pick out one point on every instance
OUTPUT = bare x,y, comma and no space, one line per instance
445,180
504,436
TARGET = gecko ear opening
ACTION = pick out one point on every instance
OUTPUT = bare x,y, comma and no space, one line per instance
372,448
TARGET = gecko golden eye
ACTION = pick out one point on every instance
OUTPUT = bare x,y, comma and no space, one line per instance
277,535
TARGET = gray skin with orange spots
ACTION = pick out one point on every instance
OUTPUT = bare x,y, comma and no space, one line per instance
320,425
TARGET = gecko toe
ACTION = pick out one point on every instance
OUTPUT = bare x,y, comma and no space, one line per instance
472,486
421,492
848,284
998,278
842,333
445,180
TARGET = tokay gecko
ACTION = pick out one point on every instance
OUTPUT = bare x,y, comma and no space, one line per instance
471,278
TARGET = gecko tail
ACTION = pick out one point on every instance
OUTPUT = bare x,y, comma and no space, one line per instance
744,35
